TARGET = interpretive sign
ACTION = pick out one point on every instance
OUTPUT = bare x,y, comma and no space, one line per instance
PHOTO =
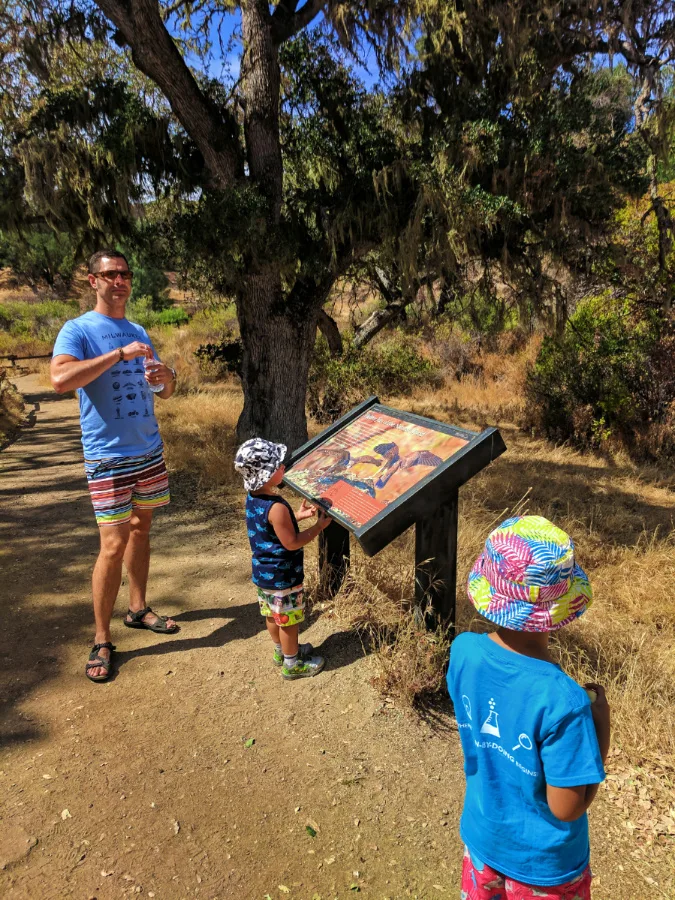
377,471
372,462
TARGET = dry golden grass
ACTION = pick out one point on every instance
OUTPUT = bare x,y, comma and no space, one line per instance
10,345
199,434
494,396
177,346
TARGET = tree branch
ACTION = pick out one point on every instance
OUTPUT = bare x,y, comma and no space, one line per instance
284,12
156,55
396,304
329,329
285,24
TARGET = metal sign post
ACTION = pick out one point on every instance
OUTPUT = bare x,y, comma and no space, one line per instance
436,564
334,555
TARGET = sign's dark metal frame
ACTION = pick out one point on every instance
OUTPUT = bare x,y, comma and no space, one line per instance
423,499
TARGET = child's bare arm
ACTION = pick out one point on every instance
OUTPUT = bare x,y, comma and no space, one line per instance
282,523
600,713
569,803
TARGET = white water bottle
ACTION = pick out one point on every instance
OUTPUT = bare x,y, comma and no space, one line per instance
155,388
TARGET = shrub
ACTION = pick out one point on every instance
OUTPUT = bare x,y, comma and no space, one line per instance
337,383
150,283
611,374
142,312
11,409
211,323
41,321
174,316
218,359
46,256
455,349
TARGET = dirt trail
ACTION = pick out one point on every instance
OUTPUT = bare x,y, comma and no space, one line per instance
144,785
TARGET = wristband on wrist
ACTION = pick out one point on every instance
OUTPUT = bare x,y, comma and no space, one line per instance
121,351
173,372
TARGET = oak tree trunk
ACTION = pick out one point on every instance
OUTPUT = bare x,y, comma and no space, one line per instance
277,339
277,351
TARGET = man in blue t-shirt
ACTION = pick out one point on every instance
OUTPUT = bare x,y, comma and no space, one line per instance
114,368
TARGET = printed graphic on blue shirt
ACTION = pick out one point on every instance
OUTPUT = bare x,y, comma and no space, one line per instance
117,411
274,567
523,724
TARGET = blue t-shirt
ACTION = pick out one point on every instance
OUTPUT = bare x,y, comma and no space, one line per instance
117,411
274,567
523,724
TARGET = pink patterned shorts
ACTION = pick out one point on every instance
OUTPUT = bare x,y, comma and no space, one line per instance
480,882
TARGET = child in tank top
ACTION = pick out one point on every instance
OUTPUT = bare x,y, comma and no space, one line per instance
276,547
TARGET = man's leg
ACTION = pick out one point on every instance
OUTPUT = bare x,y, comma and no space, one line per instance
137,562
106,581
137,557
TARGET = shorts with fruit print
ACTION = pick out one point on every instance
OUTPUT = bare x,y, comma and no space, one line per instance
285,607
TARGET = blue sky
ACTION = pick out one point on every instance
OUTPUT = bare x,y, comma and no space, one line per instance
224,57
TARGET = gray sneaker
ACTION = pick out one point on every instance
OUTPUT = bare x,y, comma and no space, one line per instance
304,668
304,652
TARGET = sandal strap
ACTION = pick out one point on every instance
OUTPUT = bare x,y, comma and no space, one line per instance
139,615
106,645
97,663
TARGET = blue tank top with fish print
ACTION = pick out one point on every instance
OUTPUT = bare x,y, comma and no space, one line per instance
274,567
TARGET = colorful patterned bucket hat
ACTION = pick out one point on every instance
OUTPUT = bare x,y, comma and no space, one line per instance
526,578
257,460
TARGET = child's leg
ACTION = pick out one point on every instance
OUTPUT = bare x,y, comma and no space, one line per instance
480,882
273,629
288,638
283,614
299,659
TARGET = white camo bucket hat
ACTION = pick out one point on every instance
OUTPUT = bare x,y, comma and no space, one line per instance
257,460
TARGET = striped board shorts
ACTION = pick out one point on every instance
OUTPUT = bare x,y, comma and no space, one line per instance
118,485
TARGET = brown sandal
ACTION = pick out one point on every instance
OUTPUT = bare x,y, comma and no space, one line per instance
159,626
96,662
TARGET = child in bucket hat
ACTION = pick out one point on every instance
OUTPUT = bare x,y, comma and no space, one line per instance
534,745
276,547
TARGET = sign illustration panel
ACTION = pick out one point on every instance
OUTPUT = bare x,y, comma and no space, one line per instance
372,461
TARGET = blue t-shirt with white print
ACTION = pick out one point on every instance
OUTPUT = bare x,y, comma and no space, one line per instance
117,411
274,567
523,724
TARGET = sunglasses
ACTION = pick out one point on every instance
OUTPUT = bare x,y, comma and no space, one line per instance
112,275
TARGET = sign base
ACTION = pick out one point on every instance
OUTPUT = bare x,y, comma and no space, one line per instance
333,558
436,564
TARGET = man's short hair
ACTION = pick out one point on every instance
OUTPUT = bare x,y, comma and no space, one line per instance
98,256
